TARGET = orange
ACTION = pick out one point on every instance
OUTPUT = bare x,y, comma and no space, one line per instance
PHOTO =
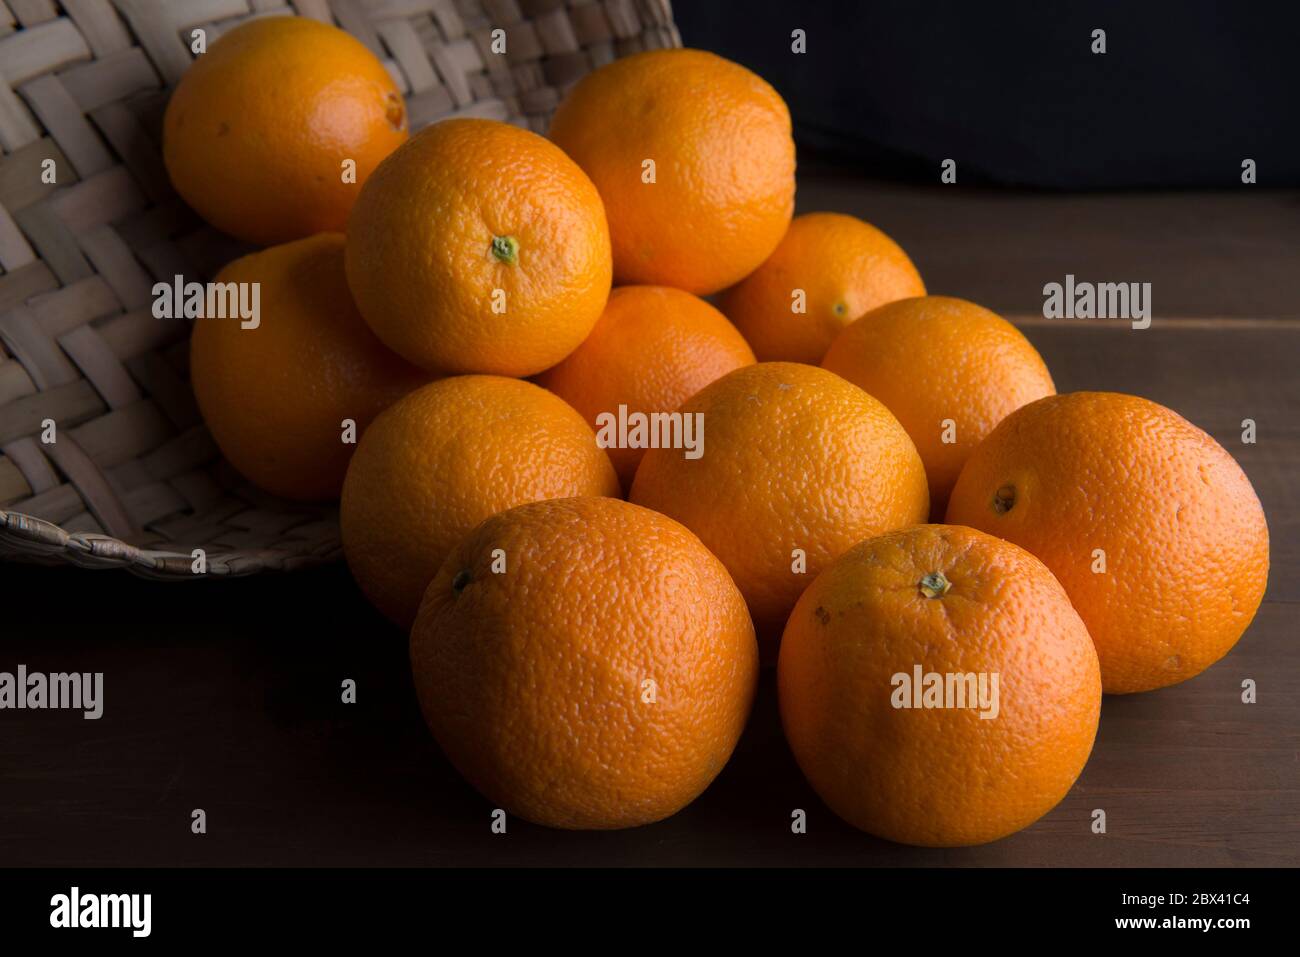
276,395
1150,525
694,159
937,688
948,369
272,131
596,676
653,348
480,247
797,465
828,270
446,457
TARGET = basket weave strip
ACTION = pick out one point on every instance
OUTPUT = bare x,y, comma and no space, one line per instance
132,479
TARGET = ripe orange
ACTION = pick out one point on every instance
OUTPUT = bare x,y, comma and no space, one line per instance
694,159
446,457
275,396
258,131
948,369
596,676
1150,525
479,247
797,466
951,602
828,270
653,348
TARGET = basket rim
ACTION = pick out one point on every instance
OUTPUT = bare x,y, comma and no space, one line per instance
26,538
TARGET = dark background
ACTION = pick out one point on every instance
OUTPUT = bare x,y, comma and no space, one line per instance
1013,93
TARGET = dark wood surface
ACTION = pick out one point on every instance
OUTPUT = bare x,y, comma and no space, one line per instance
225,695
1233,254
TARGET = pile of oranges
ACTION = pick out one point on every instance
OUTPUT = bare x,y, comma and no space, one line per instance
588,617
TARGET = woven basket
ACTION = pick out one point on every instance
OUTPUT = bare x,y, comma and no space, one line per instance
133,479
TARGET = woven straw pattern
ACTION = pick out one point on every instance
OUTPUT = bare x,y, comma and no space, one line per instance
132,478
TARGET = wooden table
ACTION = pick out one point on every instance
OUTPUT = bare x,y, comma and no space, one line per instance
226,695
